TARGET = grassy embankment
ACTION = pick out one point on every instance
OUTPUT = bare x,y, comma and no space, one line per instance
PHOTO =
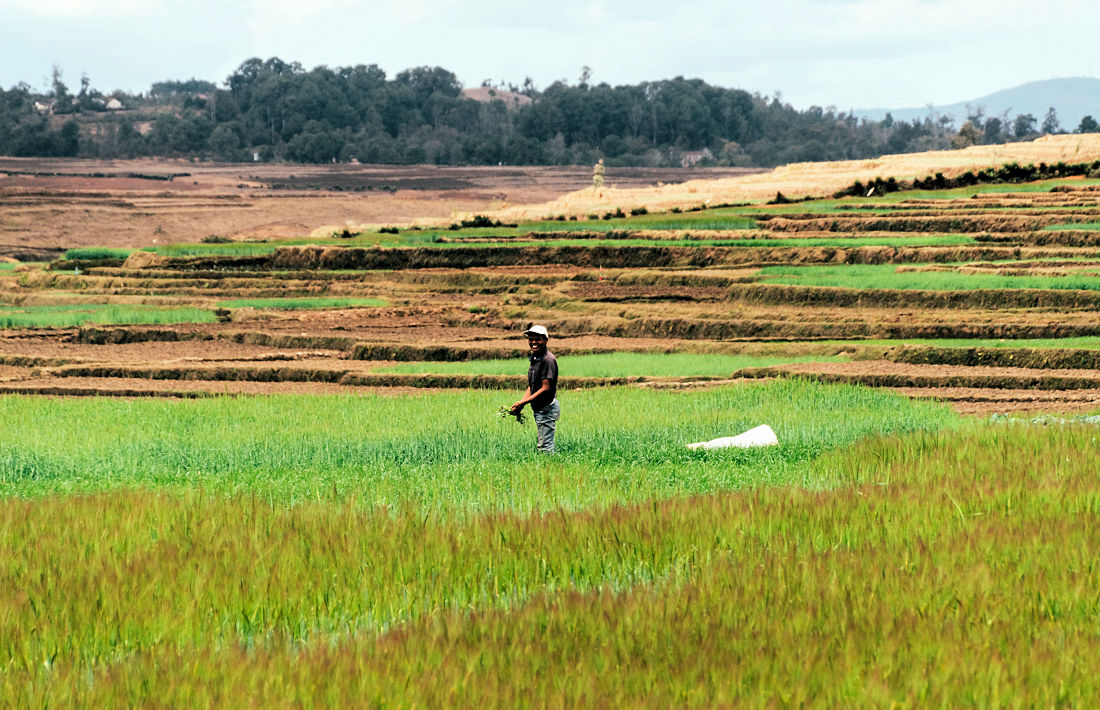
944,567
1088,226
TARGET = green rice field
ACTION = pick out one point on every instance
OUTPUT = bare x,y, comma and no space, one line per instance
615,365
1083,343
95,253
1090,226
617,445
383,551
66,316
888,276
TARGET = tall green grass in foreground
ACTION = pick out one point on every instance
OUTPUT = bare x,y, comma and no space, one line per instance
67,316
886,276
943,569
616,365
446,451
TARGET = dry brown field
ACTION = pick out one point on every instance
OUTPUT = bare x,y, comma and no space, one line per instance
49,205
472,301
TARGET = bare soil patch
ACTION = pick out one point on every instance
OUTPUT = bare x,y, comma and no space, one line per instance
983,402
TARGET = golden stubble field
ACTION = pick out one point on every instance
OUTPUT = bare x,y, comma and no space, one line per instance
813,179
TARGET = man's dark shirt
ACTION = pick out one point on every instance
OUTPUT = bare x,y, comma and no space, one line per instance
543,367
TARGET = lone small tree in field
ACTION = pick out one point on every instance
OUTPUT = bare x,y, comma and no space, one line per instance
597,175
1050,122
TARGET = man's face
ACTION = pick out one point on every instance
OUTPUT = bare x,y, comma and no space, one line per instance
536,344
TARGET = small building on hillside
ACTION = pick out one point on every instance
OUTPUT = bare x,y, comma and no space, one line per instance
114,105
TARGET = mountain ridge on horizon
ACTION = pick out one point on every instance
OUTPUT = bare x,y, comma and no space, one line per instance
1072,98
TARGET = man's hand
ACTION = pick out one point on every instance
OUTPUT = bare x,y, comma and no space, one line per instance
516,408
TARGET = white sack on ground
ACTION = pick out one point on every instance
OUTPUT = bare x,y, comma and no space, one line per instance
759,436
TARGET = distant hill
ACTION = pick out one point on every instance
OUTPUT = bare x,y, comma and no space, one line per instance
1072,98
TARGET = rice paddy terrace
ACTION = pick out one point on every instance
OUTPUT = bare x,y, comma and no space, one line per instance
370,532
986,296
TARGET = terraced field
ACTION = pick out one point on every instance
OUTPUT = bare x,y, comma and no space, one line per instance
787,282
369,531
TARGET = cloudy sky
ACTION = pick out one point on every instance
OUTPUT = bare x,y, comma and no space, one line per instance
842,53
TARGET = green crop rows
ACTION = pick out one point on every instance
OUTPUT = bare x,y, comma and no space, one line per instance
297,550
616,365
64,316
888,276
416,450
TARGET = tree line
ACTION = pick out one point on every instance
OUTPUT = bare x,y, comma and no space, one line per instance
276,110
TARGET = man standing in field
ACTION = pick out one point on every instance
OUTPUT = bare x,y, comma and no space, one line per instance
542,388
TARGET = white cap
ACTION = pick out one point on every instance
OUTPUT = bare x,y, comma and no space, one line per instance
537,330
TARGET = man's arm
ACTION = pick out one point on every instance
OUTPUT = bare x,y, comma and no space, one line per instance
529,396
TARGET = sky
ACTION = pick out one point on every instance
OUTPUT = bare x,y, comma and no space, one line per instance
846,54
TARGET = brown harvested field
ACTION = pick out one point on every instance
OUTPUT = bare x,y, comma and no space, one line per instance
55,204
471,300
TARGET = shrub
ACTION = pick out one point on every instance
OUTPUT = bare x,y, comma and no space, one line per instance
478,221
